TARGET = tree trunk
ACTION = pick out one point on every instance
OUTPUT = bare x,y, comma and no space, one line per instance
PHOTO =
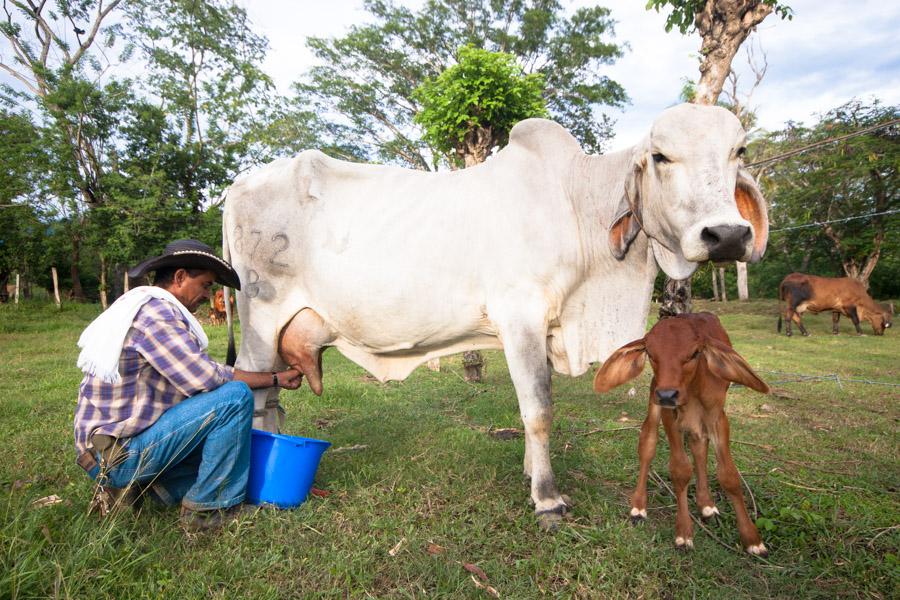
4,281
723,26
743,291
473,362
77,291
17,289
55,287
476,146
676,298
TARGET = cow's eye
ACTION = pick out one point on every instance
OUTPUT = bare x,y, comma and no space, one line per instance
695,354
741,152
660,158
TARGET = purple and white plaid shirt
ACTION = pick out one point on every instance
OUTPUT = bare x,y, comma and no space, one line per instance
161,365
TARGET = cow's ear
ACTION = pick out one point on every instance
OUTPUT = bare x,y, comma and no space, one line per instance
623,365
724,362
627,223
752,206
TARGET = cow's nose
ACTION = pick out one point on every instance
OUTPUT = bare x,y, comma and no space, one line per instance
726,242
667,398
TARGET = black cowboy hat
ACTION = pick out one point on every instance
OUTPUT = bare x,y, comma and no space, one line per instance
189,254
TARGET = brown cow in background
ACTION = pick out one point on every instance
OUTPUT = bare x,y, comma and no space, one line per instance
841,295
217,308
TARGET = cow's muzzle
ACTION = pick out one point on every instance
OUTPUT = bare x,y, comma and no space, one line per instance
667,398
726,242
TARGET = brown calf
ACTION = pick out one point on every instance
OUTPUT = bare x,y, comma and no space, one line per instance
217,308
693,365
841,295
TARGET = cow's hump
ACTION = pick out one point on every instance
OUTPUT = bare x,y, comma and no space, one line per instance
543,137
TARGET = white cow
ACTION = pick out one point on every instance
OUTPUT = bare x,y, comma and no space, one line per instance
543,251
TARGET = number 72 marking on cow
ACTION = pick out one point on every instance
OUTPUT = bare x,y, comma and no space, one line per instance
280,242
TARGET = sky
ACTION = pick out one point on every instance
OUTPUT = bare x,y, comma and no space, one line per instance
832,51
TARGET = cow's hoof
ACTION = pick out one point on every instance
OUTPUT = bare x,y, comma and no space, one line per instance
638,515
549,519
805,334
568,501
684,543
708,513
758,550
789,334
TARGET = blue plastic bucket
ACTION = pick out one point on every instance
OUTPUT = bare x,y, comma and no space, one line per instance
282,468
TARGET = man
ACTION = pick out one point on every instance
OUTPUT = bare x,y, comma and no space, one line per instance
156,415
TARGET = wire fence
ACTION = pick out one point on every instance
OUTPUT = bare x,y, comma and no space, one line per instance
820,223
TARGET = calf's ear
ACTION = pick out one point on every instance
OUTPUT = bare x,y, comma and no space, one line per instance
623,365
752,206
724,362
627,223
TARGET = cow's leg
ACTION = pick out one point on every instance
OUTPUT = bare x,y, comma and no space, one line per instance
680,470
730,480
854,316
525,345
301,343
699,449
646,452
835,317
795,317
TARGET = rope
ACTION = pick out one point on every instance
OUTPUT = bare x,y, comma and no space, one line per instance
800,377
822,143
818,223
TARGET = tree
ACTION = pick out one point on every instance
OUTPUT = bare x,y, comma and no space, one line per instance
368,77
470,108
833,185
723,25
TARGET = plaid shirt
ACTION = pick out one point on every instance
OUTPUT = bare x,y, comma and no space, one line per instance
161,365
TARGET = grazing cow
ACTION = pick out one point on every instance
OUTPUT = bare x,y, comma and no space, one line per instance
217,311
543,251
841,295
693,363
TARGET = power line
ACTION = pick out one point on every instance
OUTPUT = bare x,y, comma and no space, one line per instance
823,142
819,223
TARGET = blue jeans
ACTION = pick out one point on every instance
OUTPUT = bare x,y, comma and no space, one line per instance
197,453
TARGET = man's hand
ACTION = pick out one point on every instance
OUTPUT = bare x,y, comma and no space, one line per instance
290,379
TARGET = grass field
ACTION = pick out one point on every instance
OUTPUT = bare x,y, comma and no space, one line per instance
433,490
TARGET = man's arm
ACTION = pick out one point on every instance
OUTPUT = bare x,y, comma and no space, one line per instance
289,380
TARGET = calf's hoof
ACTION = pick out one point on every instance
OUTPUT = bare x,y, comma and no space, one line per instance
638,515
708,513
684,543
758,550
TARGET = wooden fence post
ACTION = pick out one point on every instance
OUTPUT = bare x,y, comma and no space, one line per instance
103,281
16,296
55,287
722,284
126,280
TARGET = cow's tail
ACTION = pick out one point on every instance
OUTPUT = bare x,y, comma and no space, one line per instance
231,355
780,305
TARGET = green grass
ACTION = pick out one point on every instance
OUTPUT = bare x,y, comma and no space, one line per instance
820,456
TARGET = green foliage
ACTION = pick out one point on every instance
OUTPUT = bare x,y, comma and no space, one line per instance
368,77
851,178
685,11
483,90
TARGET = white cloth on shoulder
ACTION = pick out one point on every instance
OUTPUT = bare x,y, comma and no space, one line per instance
101,342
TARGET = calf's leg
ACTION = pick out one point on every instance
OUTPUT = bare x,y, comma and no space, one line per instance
795,317
730,480
835,317
854,316
699,449
301,343
680,470
646,452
